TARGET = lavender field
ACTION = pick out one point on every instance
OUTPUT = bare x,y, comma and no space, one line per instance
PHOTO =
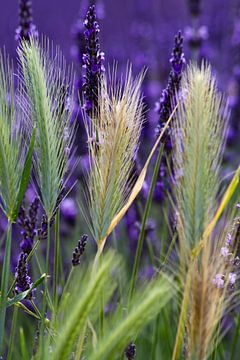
120,180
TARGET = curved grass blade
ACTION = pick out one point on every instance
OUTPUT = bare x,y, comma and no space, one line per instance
83,308
147,307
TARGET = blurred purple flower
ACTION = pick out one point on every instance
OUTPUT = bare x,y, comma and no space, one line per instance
26,28
196,36
194,7
69,210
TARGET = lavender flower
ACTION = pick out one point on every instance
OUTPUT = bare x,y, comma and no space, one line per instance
224,251
232,278
130,351
164,106
28,225
23,281
42,231
228,251
196,36
79,250
69,210
26,27
93,62
218,281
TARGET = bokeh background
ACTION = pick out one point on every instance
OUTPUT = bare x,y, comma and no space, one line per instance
128,26
142,31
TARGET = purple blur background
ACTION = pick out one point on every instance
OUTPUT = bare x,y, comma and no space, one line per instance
162,19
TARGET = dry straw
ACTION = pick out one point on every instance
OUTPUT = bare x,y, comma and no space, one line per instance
198,139
113,140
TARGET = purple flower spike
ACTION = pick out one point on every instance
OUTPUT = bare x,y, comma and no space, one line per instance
164,105
130,351
79,250
26,27
164,109
93,62
43,230
23,281
28,225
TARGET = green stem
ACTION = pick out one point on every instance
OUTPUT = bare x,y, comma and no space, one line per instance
98,257
48,249
4,283
148,240
169,250
155,339
69,278
101,305
56,262
235,340
12,334
80,343
36,309
49,300
144,220
29,312
24,353
44,308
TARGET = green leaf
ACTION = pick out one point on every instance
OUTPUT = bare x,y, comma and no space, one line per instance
25,176
24,294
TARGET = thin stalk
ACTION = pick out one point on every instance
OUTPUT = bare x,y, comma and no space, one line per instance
101,332
56,261
49,300
235,340
29,312
4,283
183,314
44,308
98,257
12,334
80,343
155,339
144,220
36,309
24,353
148,240
119,274
48,249
68,280
169,250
